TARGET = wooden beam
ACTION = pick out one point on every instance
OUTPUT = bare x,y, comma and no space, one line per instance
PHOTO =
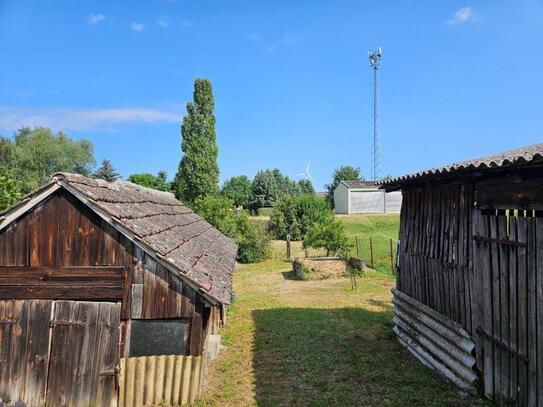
66,283
68,276
61,293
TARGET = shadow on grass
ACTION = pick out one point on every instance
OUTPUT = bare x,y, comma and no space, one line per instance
341,356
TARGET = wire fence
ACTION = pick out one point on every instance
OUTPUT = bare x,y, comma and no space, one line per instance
379,254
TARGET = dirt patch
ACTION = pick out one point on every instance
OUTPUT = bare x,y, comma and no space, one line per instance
319,269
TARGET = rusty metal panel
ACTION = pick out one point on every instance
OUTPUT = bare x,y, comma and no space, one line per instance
159,380
437,341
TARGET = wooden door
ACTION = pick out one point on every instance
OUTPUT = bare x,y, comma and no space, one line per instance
508,261
84,354
24,346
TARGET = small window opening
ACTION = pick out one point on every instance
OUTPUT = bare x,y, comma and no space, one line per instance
158,337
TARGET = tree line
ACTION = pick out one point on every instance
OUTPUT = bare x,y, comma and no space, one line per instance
32,156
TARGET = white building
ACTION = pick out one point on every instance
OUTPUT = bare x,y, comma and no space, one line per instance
365,197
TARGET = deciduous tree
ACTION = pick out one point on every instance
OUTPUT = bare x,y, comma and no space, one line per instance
344,173
9,192
34,155
304,186
239,190
158,182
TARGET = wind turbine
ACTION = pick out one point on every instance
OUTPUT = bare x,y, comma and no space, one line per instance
306,173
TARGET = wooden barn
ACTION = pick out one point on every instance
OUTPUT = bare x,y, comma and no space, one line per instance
469,294
92,272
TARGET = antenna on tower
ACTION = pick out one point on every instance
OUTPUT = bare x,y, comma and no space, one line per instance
375,63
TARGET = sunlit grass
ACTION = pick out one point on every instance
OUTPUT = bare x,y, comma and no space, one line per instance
317,343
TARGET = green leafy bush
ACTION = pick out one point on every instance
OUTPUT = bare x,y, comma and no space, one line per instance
296,215
9,192
252,238
217,210
158,182
329,235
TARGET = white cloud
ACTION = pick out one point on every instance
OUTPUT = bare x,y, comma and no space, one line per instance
254,37
186,24
163,22
290,39
12,118
96,18
271,48
137,27
463,15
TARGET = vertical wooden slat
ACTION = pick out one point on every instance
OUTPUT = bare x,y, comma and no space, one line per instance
139,385
159,378
504,304
488,348
513,276
187,371
150,380
168,379
532,312
195,379
130,381
539,306
522,285
496,305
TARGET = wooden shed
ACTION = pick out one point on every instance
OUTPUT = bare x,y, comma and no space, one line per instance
91,272
469,295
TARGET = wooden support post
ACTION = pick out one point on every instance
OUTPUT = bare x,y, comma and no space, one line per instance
289,250
357,247
391,257
371,253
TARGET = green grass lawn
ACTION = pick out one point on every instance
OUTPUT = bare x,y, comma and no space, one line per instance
381,228
318,343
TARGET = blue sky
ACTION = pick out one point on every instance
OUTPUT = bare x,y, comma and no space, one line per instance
291,79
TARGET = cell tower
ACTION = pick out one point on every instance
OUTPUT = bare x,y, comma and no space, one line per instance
375,63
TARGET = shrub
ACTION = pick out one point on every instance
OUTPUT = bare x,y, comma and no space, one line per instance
251,238
329,235
158,182
296,215
9,192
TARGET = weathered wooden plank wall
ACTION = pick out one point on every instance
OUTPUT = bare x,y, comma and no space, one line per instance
24,349
482,267
83,354
509,247
435,265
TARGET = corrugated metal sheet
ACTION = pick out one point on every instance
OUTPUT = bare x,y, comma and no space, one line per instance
159,380
435,340
517,156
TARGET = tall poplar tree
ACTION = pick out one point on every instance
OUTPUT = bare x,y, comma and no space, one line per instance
198,173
